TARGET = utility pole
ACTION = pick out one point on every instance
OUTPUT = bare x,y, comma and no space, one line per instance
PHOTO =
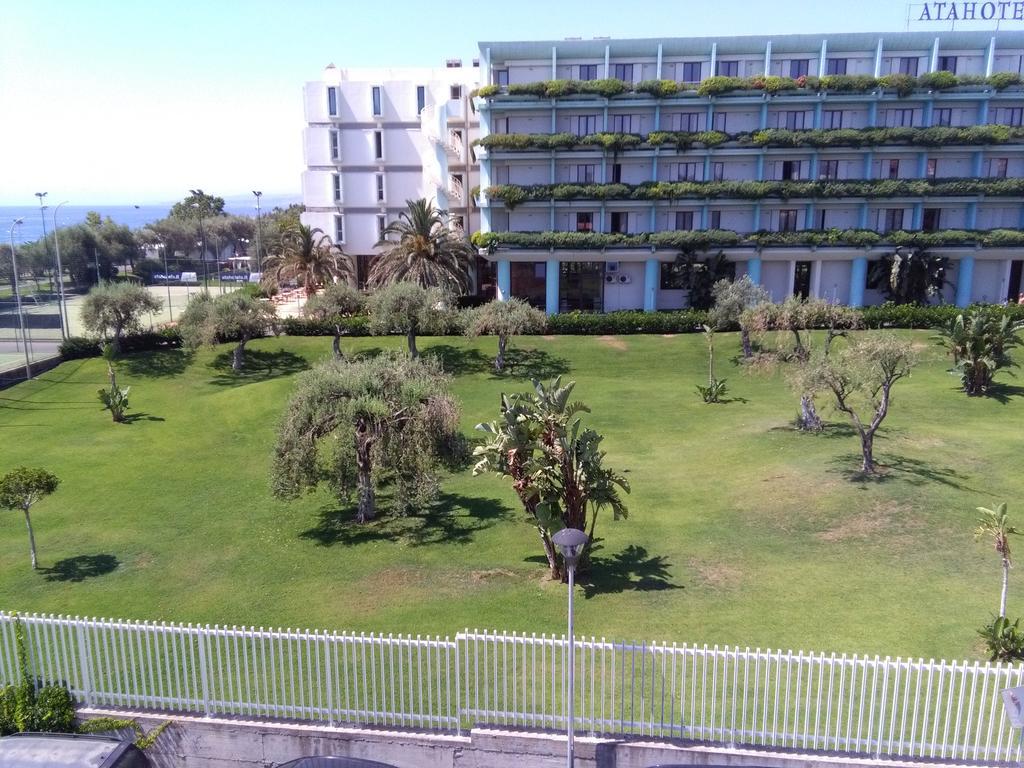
17,300
259,232
65,323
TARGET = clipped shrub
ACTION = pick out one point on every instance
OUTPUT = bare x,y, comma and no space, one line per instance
1002,80
847,83
486,91
719,84
606,87
658,88
358,325
938,81
78,347
904,85
612,142
627,322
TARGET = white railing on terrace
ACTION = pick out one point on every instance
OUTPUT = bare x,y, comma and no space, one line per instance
729,696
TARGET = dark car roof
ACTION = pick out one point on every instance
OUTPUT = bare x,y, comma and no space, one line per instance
57,750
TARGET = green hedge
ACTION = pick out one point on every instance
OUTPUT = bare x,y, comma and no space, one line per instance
78,347
629,322
301,326
891,315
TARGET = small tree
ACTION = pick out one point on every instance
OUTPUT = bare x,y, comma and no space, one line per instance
860,378
980,344
114,398
236,317
409,309
337,302
732,299
23,487
504,319
713,392
995,525
360,425
112,310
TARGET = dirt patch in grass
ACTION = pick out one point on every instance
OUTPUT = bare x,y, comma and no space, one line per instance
549,338
669,335
886,518
716,574
614,342
491,573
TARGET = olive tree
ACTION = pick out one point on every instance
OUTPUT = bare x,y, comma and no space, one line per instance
504,319
360,425
860,378
23,487
409,309
236,317
337,302
732,299
112,310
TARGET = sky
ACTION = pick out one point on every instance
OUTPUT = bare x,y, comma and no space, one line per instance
138,101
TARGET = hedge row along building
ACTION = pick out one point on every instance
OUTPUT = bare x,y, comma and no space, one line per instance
584,168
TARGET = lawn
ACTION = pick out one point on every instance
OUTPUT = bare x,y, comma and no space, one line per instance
741,530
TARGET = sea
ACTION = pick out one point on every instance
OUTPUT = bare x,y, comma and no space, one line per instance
133,216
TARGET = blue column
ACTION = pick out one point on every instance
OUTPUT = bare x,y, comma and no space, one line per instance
552,271
754,270
504,279
976,163
964,278
764,115
983,111
858,281
917,218
652,276
862,222
760,166
972,215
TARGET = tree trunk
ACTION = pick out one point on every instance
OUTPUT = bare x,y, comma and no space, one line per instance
551,554
367,508
867,442
499,361
116,412
238,356
31,539
809,420
336,344
748,350
410,338
1006,584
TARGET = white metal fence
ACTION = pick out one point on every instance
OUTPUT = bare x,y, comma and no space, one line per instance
806,701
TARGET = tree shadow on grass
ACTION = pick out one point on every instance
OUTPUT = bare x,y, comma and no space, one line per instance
532,364
893,467
259,366
131,418
437,525
830,429
81,567
158,364
1003,393
633,569
458,361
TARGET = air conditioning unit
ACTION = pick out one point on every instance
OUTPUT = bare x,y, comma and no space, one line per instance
625,279
610,279
611,267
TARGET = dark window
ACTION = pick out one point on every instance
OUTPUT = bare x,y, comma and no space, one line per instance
947,64
585,173
501,77
822,219
623,72
828,169
686,121
717,171
930,219
997,167
674,277
718,122
528,281
336,187
684,219
942,117
894,169
421,98
382,224
899,118
332,101
832,119
456,92
907,65
378,145
727,68
335,145
835,66
581,286
931,165
584,222
486,278
339,228
1016,289
1010,116
892,218
787,220
799,68
802,279
588,71
793,120
619,222
686,172
501,125
714,219
791,170
691,71
376,100
622,123
616,173
584,125
380,187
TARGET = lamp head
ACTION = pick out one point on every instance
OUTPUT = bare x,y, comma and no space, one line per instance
570,542
41,195
257,192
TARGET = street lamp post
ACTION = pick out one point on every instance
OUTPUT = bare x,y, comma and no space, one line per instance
160,246
42,216
570,542
65,323
198,193
17,299
259,231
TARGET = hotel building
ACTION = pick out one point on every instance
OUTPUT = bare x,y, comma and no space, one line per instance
593,193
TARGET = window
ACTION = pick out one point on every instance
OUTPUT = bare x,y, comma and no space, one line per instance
332,101
930,219
907,65
382,224
892,218
894,169
714,219
623,72
616,173
335,138
691,71
501,77
685,172
674,277
931,165
787,220
947,64
942,117
835,66
585,173
686,122
727,68
583,125
376,101
791,170
717,171
899,118
588,72
501,125
378,145
822,219
623,123
584,222
718,122
619,222
828,169
997,167
455,93
421,98
793,120
339,228
380,187
684,220
799,68
832,118
1009,116
336,187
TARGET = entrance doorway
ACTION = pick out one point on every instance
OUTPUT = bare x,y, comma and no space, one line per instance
1016,287
802,279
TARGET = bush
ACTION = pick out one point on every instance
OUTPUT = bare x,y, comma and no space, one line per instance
1001,80
302,326
54,711
78,347
487,91
1003,641
717,85
904,85
628,322
938,81
658,88
847,83
8,707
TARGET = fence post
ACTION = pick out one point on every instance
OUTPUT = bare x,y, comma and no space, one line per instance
84,662
458,688
202,670
329,679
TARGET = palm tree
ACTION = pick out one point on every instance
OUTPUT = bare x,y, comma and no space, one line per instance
425,252
994,524
309,258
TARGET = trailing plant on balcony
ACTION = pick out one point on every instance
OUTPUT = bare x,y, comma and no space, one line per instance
1002,80
904,85
485,91
660,88
612,142
938,81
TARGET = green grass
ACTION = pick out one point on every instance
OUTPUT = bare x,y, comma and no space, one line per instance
741,530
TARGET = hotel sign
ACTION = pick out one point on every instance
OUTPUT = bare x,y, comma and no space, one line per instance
973,10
